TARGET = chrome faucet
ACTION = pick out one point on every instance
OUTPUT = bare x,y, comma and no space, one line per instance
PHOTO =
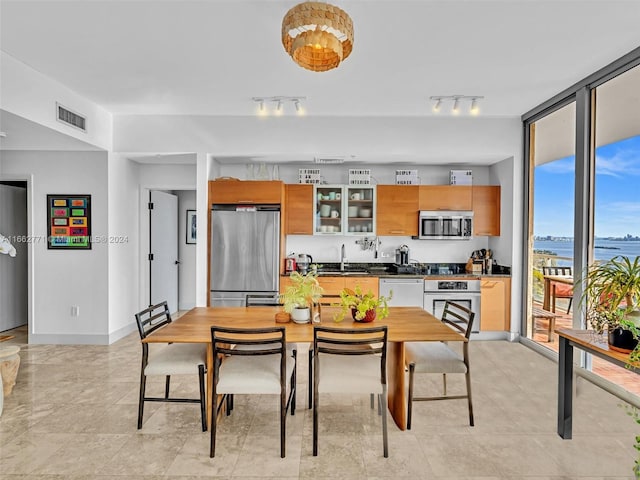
343,259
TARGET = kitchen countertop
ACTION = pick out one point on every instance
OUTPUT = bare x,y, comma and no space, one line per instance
376,270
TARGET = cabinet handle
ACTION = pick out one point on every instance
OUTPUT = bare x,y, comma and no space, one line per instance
298,233
246,201
397,231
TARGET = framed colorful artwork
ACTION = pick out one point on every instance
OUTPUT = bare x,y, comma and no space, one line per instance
191,226
69,222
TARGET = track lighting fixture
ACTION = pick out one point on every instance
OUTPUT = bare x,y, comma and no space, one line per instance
280,103
456,101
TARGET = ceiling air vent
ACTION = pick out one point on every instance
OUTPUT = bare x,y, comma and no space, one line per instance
328,159
73,119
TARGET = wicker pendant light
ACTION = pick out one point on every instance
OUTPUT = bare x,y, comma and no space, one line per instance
318,36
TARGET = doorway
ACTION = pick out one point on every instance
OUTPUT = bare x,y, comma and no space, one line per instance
14,290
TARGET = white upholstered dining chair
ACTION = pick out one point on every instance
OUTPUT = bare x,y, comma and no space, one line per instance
439,358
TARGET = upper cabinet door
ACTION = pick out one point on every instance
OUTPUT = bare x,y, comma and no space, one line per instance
445,197
299,209
486,210
329,209
397,210
246,191
361,210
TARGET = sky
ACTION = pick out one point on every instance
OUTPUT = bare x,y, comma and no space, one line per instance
617,192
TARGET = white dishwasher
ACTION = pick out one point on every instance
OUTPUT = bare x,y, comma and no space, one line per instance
407,292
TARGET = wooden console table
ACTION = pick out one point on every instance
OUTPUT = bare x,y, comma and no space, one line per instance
588,341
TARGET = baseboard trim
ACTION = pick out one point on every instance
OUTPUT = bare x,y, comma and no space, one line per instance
79,339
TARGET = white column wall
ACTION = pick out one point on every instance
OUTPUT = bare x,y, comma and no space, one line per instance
123,245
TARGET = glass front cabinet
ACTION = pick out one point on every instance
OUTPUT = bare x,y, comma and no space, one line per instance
344,210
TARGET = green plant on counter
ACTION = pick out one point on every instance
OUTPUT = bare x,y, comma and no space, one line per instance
362,303
303,293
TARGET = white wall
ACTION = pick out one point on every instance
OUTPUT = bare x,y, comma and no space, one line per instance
187,252
13,270
123,246
29,94
66,278
501,174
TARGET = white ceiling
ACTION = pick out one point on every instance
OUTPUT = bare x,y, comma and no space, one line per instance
210,57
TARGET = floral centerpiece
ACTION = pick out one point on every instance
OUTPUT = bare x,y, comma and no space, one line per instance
364,307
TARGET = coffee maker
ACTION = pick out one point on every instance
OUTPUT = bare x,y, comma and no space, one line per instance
402,255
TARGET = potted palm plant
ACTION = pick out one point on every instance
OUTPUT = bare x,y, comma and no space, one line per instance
298,298
612,298
364,307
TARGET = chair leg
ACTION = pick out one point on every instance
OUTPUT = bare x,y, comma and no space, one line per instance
467,377
143,384
315,416
310,378
283,421
203,398
569,307
385,441
214,422
412,367
166,387
372,400
294,380
444,383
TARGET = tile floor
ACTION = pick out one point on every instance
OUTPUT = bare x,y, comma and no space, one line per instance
72,415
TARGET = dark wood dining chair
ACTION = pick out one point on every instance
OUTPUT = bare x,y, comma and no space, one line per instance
350,361
169,359
559,290
250,361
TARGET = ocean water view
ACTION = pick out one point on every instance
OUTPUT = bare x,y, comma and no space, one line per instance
604,249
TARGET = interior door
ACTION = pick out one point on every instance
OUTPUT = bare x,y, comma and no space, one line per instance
163,249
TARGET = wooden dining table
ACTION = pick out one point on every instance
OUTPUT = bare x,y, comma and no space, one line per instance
548,280
404,324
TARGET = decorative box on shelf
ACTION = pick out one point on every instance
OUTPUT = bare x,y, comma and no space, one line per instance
461,177
309,175
407,177
359,176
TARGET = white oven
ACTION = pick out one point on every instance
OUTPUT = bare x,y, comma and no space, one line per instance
463,292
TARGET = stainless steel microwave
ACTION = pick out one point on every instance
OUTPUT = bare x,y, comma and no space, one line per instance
445,225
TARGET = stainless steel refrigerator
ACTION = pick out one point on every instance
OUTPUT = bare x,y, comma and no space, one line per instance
245,248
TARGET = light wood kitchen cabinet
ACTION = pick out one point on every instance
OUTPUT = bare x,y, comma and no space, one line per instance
333,285
246,191
486,210
299,209
397,210
367,284
445,197
495,304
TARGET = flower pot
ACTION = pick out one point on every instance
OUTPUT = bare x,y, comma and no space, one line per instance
370,316
300,315
621,340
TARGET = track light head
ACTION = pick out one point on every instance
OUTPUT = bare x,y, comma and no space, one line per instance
474,110
436,106
456,106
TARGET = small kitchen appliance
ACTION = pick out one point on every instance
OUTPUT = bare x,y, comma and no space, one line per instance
290,264
402,255
303,262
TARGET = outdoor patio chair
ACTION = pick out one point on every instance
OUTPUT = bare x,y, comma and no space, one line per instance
559,290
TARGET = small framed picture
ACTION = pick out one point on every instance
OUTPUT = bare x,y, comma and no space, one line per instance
191,226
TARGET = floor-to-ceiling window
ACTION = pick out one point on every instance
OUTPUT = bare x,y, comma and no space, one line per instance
583,179
552,204
616,181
